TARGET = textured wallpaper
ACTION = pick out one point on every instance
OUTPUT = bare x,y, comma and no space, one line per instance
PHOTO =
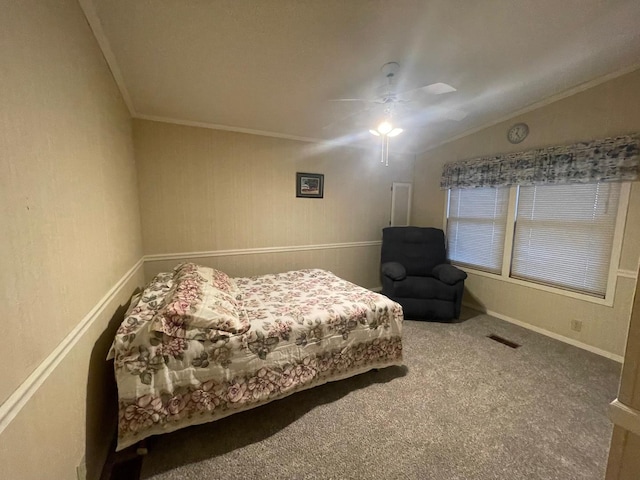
70,216
208,190
606,110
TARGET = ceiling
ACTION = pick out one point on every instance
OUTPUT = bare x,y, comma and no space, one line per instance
274,66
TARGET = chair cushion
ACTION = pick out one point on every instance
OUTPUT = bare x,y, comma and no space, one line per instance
394,271
424,287
448,274
418,249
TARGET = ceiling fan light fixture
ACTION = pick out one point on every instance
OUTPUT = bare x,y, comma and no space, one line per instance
385,131
384,128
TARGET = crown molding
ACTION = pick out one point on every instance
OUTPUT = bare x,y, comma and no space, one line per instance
227,128
539,104
93,20
263,133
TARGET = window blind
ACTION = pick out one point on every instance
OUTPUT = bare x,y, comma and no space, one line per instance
564,235
476,225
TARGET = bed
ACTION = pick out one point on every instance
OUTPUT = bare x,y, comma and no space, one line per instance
196,345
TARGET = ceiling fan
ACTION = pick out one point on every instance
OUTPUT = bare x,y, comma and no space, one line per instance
391,98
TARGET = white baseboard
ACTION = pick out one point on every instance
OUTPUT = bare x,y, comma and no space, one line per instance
625,416
556,336
18,399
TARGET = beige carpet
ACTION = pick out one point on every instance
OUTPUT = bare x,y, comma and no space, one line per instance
464,407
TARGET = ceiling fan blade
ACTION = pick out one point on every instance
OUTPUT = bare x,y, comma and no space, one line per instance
438,88
433,89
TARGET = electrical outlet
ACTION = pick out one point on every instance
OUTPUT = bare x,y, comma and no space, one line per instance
576,325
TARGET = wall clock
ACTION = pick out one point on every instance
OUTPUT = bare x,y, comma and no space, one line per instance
518,132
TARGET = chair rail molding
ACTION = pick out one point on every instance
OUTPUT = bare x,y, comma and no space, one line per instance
627,273
19,398
624,416
257,251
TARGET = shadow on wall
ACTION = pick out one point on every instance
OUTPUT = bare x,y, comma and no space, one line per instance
102,398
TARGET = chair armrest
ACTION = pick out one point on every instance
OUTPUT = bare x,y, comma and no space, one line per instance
448,274
394,271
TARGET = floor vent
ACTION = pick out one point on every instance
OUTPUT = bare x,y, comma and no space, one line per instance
506,342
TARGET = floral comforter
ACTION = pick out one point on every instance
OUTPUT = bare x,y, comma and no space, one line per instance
295,330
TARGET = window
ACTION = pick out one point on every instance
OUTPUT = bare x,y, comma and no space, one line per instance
564,235
477,219
559,235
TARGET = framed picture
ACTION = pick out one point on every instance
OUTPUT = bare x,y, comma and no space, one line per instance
309,185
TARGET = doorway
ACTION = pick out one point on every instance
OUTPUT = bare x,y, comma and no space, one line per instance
400,204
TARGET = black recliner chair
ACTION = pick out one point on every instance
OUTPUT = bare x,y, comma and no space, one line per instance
417,275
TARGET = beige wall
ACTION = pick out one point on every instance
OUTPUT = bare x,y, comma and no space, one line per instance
209,190
359,264
611,108
70,219
624,461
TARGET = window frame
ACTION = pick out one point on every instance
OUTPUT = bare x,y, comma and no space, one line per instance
446,230
616,251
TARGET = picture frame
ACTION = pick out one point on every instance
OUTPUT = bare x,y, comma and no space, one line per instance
309,185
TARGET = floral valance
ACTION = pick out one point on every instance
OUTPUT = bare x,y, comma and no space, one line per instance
606,160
